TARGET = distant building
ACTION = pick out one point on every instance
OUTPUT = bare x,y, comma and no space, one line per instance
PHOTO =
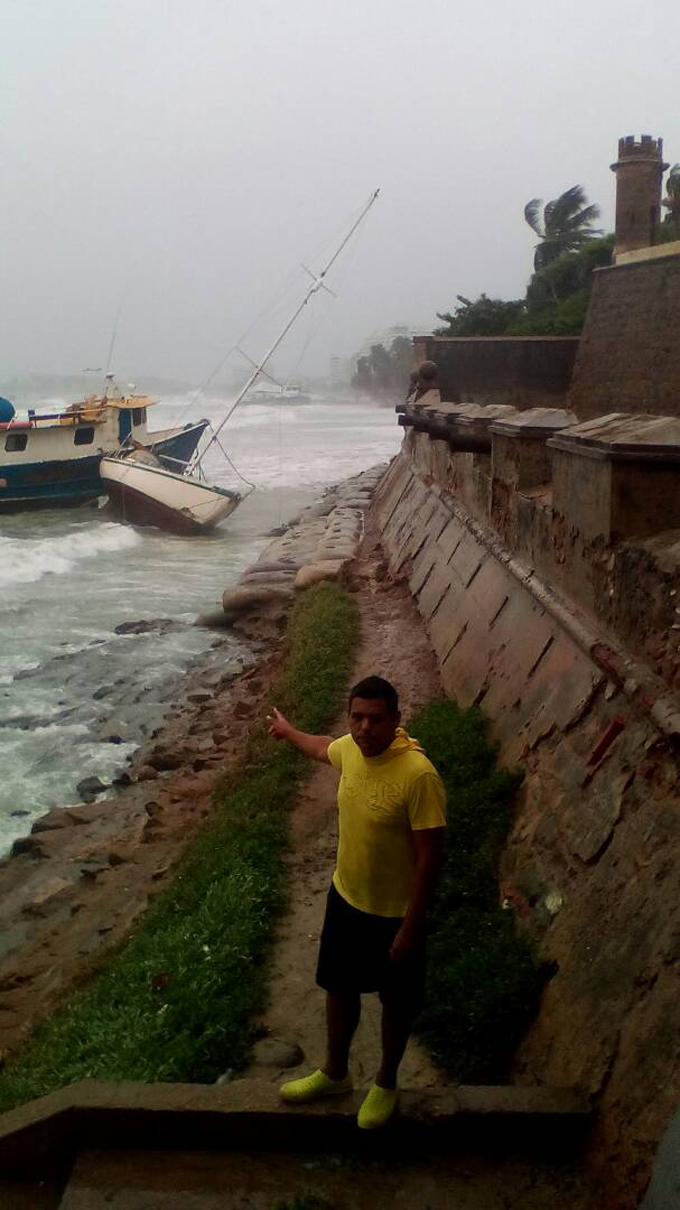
386,335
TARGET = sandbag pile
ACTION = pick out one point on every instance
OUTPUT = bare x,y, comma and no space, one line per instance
316,545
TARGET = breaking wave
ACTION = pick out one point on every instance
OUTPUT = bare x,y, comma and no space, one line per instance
28,560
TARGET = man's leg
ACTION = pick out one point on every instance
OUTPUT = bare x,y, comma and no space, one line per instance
343,1010
398,1016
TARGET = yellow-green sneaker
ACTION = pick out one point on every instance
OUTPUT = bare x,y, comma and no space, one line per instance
378,1107
309,1088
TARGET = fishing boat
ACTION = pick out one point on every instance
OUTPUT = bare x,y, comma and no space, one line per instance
182,501
52,459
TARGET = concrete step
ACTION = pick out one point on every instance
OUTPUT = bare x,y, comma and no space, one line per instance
108,1135
161,1180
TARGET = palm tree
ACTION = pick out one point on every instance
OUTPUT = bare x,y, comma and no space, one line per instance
672,199
566,224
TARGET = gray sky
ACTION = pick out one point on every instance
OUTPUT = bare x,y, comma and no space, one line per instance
183,157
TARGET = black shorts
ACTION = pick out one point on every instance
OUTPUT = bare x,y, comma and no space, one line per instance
354,954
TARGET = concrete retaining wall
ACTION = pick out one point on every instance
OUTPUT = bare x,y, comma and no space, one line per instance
594,859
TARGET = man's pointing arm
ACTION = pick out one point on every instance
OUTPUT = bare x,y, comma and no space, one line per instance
315,746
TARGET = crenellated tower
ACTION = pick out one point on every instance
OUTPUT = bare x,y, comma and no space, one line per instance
639,170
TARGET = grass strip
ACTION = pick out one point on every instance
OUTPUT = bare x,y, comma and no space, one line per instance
175,1002
483,977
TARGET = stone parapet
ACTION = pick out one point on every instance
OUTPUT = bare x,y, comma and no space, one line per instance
524,371
617,477
597,522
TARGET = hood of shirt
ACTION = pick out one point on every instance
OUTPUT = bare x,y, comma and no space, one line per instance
402,742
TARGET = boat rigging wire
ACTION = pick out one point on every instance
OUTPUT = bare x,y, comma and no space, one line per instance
317,284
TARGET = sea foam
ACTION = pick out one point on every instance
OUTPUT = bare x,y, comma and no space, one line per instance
27,560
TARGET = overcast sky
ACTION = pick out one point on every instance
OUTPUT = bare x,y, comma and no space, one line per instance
181,157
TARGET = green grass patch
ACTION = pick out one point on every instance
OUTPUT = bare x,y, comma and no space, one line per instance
483,977
175,1002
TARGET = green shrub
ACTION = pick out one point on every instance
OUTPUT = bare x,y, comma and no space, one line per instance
483,978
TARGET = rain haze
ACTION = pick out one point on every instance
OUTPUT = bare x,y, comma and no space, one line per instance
178,161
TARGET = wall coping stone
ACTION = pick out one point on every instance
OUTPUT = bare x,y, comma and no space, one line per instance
659,251
481,420
623,437
536,422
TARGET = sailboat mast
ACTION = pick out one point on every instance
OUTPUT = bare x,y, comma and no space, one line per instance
317,284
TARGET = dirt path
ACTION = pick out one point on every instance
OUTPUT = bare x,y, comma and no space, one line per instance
394,645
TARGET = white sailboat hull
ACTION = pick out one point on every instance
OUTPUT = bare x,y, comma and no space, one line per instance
149,495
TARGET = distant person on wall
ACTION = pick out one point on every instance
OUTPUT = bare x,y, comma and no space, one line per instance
391,804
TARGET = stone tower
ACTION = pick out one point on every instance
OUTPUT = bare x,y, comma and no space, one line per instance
639,170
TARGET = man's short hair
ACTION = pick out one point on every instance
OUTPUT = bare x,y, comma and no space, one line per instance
376,688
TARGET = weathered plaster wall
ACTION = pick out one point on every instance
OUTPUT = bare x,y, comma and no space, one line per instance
629,356
594,859
526,371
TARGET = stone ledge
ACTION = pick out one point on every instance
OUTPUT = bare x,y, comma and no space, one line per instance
249,1114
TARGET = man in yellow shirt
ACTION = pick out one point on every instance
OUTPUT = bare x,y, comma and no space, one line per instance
391,809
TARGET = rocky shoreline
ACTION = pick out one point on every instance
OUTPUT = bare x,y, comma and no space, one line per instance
73,887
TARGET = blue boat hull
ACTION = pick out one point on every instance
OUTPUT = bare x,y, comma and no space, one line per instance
72,482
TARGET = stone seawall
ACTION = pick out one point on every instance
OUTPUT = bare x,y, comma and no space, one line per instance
593,862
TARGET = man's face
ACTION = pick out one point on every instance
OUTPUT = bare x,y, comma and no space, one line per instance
372,725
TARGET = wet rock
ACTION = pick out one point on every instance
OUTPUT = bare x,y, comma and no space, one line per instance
199,697
276,1052
18,814
102,692
31,845
147,773
51,891
89,812
162,759
90,787
122,779
116,859
217,620
56,818
160,625
90,870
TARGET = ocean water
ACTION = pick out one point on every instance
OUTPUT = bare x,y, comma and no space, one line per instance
75,697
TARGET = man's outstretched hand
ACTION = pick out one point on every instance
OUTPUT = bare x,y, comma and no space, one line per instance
279,727
315,746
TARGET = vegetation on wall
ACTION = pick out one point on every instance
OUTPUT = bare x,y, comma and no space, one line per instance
483,977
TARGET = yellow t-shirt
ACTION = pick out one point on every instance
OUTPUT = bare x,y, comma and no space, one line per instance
381,801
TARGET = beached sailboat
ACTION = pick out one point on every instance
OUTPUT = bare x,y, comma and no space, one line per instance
145,492
52,459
